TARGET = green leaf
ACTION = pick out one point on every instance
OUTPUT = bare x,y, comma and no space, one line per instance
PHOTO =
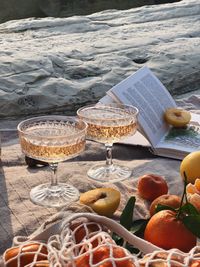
189,209
126,217
138,227
132,249
192,222
120,242
160,207
118,239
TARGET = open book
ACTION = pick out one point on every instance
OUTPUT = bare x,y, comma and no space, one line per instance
144,90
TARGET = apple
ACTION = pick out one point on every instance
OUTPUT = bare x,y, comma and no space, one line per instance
104,201
191,166
177,117
151,186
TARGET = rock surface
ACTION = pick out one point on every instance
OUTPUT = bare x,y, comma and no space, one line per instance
59,64
20,9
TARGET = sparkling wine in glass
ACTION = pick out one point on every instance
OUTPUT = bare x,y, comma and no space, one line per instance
53,139
108,124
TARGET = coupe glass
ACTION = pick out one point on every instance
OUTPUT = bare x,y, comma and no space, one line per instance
108,124
53,139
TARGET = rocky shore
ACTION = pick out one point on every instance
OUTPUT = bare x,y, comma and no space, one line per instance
53,65
20,9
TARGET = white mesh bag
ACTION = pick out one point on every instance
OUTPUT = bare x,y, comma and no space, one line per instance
88,243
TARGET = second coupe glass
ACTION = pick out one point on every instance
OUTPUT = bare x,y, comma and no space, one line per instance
108,124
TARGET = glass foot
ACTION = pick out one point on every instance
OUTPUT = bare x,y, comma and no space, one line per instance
54,196
113,173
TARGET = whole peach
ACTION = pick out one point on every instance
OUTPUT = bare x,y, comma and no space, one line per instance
151,186
173,201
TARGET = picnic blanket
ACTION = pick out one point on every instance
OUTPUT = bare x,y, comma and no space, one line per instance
19,216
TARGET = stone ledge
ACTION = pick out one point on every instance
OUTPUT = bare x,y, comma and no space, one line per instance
59,64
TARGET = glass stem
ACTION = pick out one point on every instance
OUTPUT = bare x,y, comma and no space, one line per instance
109,155
54,179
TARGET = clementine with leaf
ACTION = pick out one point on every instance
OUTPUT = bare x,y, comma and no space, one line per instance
172,201
166,230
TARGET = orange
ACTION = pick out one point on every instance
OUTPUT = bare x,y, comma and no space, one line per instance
190,165
28,253
195,263
197,184
191,188
173,201
166,231
103,253
81,232
41,264
194,199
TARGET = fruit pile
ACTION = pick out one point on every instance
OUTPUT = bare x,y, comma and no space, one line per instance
92,246
165,228
85,243
81,243
172,218
174,223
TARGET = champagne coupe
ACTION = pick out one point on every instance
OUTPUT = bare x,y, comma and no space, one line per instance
52,139
109,123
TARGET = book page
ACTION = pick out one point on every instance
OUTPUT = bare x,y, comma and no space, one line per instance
186,138
107,100
136,140
143,90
